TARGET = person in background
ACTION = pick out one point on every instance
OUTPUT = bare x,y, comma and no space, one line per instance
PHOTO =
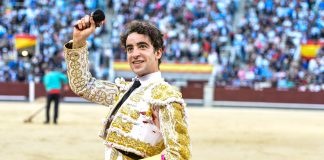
54,82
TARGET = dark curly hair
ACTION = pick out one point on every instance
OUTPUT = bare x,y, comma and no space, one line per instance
146,28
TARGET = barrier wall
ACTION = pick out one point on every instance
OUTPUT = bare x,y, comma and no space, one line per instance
268,95
193,90
14,89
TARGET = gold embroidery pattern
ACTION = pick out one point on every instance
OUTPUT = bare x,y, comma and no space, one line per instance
109,99
127,110
73,56
116,98
125,126
163,92
149,112
81,81
175,131
113,154
76,73
78,82
126,158
122,84
138,145
137,97
75,64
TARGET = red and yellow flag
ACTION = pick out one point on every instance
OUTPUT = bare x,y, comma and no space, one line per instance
25,41
310,49
172,67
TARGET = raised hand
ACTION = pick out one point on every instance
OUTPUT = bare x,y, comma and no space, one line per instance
82,30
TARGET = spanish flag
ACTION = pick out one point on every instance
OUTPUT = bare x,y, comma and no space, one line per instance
25,41
172,67
310,49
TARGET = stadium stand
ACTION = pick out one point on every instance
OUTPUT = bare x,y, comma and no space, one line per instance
255,43
50,21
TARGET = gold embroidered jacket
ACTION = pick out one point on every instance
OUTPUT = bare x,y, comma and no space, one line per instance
151,120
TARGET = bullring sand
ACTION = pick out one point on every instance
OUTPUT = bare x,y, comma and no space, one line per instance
216,133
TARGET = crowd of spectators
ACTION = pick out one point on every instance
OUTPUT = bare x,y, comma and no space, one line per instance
50,21
259,49
262,50
265,50
192,29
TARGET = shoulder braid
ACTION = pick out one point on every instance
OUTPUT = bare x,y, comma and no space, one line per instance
122,84
163,94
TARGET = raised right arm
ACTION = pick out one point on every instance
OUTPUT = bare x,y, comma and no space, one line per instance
81,81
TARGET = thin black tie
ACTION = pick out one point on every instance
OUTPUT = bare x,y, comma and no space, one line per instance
135,85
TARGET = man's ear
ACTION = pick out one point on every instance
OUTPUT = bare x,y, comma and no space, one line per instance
158,53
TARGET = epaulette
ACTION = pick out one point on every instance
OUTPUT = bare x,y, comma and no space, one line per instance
164,94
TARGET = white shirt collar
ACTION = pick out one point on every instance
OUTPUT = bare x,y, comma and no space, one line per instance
149,78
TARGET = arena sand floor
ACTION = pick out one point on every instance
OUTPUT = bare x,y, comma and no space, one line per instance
216,133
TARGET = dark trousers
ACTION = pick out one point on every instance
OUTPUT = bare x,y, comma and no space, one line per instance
50,99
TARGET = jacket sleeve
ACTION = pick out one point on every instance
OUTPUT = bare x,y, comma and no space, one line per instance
172,122
175,132
81,81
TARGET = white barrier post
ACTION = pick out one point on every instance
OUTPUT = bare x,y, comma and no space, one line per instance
31,94
208,95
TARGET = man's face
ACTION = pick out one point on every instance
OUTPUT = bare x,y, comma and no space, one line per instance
141,56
